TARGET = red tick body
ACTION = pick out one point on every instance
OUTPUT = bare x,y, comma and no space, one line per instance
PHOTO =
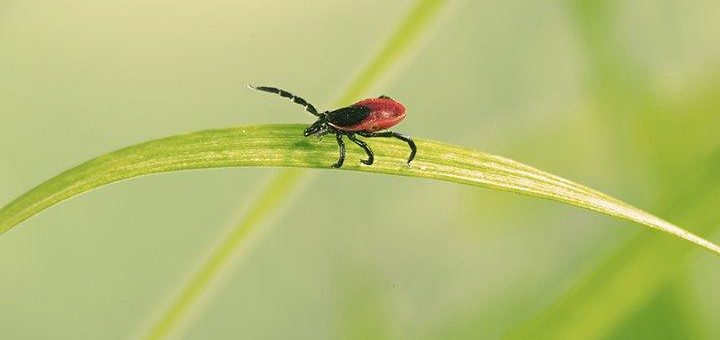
384,114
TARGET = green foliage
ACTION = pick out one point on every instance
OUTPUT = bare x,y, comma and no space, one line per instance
656,133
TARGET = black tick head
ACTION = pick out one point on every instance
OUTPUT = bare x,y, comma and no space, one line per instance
319,128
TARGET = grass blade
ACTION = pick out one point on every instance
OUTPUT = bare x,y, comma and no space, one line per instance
284,146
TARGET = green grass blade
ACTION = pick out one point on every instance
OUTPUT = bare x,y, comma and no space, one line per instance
284,146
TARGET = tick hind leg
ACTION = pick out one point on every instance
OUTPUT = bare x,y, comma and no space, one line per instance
406,139
341,145
364,146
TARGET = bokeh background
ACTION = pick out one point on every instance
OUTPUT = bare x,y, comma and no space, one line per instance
621,96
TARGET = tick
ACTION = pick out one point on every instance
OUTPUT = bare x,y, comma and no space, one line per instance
366,118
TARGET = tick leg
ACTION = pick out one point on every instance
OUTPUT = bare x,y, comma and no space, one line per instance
406,139
341,145
293,98
371,157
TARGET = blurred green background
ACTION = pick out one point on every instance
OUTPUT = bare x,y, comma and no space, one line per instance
621,96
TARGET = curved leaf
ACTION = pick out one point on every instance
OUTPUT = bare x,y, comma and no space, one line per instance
284,146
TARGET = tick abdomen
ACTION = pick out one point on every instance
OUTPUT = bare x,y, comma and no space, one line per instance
370,115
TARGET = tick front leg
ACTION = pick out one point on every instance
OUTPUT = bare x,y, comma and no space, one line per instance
364,146
341,145
406,139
